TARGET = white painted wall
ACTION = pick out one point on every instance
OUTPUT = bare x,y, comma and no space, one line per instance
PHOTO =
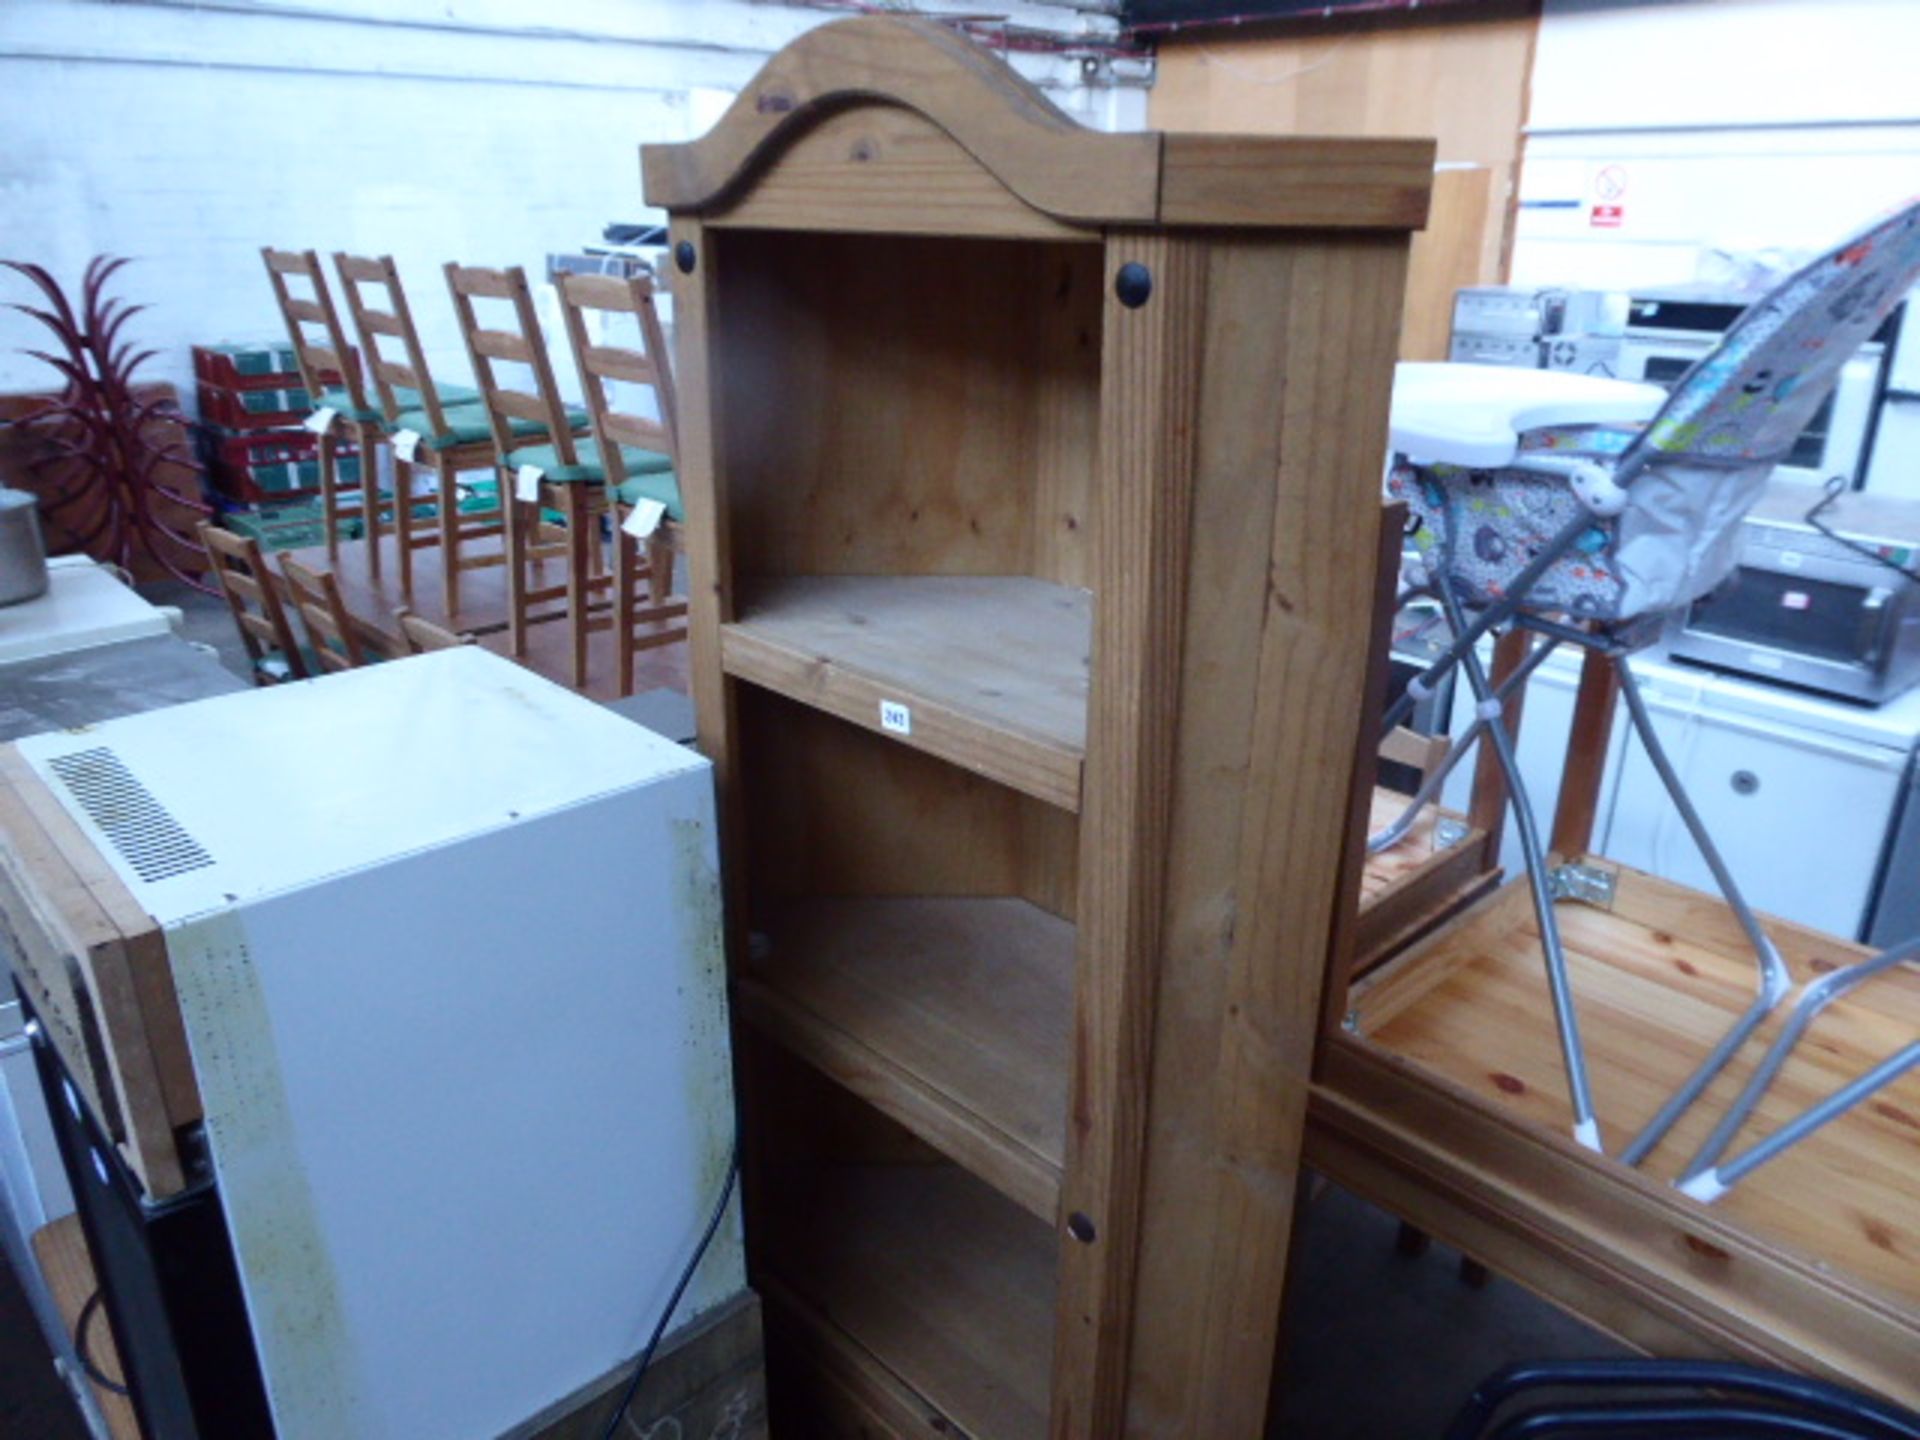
188,133
1734,124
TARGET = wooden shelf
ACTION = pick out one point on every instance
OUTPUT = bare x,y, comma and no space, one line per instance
61,1249
1812,1261
952,1016
992,669
1408,890
941,1281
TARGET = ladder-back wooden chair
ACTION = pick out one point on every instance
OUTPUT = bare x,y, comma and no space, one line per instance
422,635
329,372
273,654
443,427
543,465
316,596
643,495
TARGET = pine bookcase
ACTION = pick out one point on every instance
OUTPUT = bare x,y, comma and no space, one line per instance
1031,479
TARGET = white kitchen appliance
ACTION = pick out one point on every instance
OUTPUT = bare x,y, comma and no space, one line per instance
1669,331
445,939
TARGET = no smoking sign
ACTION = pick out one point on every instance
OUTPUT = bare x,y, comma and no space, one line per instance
1609,188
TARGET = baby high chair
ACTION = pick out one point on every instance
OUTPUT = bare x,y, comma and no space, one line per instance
1589,511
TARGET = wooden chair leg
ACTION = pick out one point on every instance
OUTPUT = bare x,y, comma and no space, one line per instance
403,522
513,514
660,565
448,491
370,494
580,548
626,559
329,494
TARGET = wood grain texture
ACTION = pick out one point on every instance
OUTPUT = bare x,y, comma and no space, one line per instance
1235,1040
1459,76
1579,802
925,424
61,1250
1013,131
1256,180
993,671
1150,393
950,1016
1487,807
881,168
77,941
930,1271
830,809
1785,1266
1612,1245
1453,251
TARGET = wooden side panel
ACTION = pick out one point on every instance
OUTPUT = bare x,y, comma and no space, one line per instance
897,413
832,810
1271,679
882,169
89,951
1452,252
1456,73
1611,1244
1152,369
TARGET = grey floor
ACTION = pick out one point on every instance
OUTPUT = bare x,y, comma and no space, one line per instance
1378,1346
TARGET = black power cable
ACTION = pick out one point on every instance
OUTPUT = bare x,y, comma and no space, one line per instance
673,1300
94,1372
1835,488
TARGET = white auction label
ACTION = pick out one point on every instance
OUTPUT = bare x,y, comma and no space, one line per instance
320,419
406,444
896,717
526,483
644,519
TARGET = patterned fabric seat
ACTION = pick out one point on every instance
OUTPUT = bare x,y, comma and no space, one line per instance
1539,498
1679,484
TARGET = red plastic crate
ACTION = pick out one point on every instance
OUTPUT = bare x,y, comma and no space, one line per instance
260,409
255,365
273,466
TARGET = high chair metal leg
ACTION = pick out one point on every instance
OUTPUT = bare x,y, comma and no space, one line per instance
1775,981
1431,782
1586,1128
1707,1180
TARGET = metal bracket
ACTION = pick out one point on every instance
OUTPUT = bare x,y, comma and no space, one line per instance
1448,833
1588,884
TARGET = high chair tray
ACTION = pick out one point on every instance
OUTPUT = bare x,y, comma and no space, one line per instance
1446,1103
1474,415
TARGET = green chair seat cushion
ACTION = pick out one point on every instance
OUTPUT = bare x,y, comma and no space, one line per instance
654,485
635,462
468,423
407,400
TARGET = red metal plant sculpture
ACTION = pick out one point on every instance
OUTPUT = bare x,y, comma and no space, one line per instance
107,440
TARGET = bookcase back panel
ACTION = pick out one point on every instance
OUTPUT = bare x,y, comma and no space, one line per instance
908,406
832,810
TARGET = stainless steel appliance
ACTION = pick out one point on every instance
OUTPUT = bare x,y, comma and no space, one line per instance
1669,332
1538,329
1817,610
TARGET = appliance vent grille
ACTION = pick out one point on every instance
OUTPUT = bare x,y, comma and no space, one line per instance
147,837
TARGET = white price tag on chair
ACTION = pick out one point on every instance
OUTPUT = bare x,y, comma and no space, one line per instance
526,483
406,444
320,419
644,519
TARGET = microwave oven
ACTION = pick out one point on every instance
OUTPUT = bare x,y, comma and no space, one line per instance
1806,609
1667,334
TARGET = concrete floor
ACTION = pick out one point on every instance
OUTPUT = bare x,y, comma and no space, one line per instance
1378,1346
